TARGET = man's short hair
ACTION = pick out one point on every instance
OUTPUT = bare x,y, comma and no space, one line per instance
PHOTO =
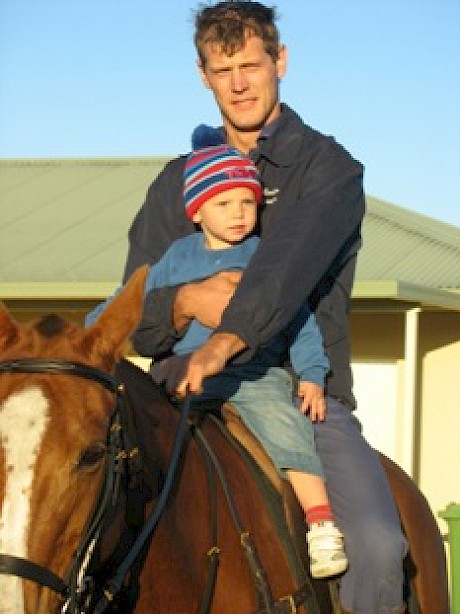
228,24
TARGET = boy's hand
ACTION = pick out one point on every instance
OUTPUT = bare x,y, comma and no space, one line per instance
312,400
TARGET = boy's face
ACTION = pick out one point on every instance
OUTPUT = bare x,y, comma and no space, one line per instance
245,85
227,218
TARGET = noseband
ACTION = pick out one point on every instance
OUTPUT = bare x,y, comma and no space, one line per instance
29,570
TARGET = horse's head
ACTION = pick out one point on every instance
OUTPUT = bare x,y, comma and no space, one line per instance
53,430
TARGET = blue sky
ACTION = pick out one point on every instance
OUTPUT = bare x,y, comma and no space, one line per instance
91,78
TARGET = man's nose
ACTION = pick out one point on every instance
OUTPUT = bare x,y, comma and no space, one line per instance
239,81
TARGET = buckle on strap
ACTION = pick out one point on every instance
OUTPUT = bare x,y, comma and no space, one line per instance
290,602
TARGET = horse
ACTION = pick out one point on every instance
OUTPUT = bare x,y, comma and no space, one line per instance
115,499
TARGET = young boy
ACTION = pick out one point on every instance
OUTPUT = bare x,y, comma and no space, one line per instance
222,191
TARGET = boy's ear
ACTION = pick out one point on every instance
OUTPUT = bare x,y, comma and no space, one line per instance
196,218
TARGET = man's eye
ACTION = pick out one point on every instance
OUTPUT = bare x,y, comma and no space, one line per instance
221,71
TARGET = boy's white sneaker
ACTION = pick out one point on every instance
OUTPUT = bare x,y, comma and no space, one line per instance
325,549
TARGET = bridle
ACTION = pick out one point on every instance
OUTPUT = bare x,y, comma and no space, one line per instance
77,589
74,588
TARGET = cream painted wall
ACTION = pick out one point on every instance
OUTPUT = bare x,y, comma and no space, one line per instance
378,341
439,474
375,389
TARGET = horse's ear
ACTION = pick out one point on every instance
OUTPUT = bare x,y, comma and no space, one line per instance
108,335
9,328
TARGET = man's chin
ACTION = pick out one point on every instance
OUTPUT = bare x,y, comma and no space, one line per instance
248,126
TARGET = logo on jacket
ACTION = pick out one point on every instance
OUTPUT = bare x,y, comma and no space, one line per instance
271,195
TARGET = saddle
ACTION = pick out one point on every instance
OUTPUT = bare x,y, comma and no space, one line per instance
239,430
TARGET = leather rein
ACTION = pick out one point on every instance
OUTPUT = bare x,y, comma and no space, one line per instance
71,590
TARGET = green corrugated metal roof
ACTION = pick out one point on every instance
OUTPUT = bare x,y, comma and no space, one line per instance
403,245
64,222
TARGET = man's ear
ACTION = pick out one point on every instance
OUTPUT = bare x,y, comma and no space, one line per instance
281,62
202,72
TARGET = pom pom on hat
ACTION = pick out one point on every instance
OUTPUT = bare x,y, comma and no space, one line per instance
211,170
207,136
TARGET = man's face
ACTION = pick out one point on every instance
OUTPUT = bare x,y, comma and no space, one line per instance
245,85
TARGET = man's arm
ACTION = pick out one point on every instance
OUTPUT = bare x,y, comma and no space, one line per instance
204,301
307,238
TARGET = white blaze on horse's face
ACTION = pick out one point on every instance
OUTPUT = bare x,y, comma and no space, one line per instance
23,420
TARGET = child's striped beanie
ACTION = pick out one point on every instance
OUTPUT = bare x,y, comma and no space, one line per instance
211,170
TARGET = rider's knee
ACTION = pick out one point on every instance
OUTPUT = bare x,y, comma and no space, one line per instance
382,549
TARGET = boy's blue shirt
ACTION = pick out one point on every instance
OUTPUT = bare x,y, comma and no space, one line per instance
188,259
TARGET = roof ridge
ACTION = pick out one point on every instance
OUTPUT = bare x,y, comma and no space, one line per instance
415,223
98,160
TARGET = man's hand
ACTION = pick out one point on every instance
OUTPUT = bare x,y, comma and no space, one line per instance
206,300
170,371
312,400
209,359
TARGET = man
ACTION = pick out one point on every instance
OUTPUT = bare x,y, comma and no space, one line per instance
310,235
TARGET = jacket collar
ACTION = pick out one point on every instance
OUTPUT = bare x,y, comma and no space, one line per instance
281,140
